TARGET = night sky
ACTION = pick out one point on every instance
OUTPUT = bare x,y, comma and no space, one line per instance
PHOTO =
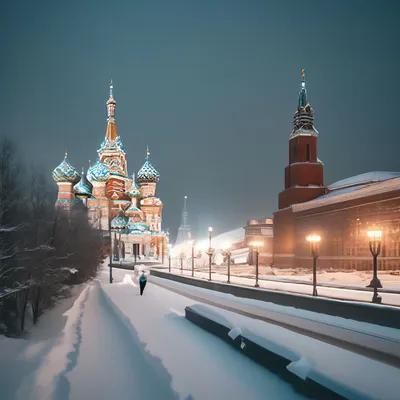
211,86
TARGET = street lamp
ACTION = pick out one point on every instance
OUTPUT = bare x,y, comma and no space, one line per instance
111,251
169,257
314,241
191,244
375,243
210,252
257,246
181,257
226,251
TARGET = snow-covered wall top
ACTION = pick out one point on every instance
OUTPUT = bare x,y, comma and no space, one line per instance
368,177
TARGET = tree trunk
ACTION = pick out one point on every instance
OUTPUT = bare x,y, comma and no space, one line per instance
35,305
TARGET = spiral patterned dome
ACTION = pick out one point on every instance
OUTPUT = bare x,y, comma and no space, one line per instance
98,172
148,173
65,172
120,221
83,188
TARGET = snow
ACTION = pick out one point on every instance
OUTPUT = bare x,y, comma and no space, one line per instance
259,307
298,288
301,367
110,342
234,333
365,178
369,190
351,375
222,240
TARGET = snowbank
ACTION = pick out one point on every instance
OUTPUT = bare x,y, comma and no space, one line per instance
345,373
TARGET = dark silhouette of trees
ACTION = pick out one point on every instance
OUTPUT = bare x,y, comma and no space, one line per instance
42,251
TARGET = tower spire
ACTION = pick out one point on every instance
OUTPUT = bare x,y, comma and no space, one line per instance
111,89
111,132
184,232
147,151
303,91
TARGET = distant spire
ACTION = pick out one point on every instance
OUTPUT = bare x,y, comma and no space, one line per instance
147,151
303,91
184,233
65,154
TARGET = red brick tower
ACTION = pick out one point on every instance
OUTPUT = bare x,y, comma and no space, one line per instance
304,180
304,176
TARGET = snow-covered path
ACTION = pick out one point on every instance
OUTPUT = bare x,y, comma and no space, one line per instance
106,361
112,343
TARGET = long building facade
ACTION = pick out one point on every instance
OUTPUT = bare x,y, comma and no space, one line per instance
341,213
125,206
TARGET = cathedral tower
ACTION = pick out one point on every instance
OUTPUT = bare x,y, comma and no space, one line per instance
304,176
112,155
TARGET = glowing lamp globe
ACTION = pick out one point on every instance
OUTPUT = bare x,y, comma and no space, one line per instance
374,235
313,239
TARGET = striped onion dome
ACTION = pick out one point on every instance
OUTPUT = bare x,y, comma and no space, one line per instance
65,172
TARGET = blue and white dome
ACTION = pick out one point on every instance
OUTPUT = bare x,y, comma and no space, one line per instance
138,227
120,221
65,172
148,173
83,188
98,172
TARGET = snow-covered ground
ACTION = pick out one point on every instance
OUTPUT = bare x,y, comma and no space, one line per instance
109,342
337,293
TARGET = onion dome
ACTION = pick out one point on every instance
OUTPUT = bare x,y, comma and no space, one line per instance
98,172
134,189
65,172
138,227
120,221
83,188
148,173
135,214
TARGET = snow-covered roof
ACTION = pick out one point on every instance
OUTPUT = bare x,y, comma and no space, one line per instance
232,236
368,177
357,191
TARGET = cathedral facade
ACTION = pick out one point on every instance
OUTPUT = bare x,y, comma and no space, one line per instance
118,204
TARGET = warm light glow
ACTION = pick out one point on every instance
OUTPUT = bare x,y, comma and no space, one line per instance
170,246
226,246
257,244
209,229
190,243
375,235
313,238
202,246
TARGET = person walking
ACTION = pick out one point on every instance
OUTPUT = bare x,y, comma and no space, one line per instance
142,282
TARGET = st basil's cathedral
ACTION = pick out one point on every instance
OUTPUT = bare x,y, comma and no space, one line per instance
126,206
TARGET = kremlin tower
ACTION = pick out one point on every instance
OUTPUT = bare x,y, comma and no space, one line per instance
114,201
304,180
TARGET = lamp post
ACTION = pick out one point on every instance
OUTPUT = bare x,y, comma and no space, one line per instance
169,258
181,257
257,246
375,243
192,250
227,253
210,252
111,251
314,241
